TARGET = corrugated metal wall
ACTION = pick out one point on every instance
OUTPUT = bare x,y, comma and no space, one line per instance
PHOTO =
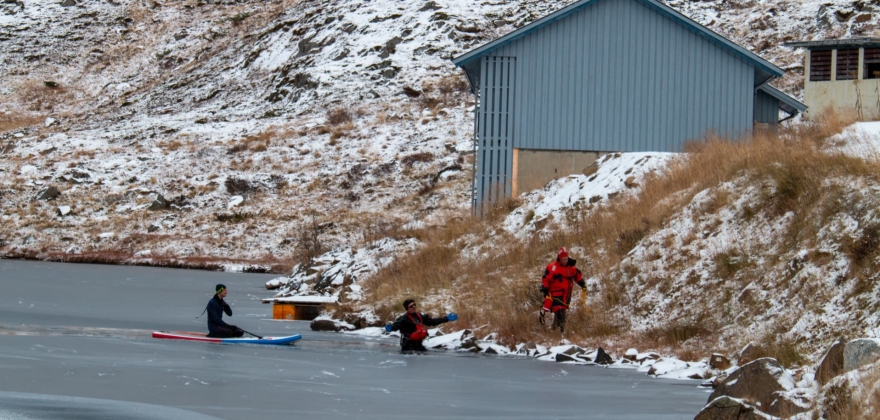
495,128
766,108
617,76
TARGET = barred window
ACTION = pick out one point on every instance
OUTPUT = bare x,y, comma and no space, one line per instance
872,63
848,64
820,65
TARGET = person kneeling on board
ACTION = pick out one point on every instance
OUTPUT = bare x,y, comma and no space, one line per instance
216,307
412,326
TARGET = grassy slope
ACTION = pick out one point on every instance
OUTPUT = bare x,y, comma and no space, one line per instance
770,239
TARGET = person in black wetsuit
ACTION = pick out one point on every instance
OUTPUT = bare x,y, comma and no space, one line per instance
412,326
216,307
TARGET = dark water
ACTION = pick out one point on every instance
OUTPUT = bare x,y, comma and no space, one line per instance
75,344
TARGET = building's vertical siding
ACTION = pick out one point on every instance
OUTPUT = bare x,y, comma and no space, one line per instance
613,76
495,135
766,108
617,76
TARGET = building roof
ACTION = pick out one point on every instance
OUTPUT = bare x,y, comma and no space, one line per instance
657,6
786,103
835,43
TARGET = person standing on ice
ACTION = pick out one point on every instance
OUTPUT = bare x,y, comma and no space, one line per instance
413,326
556,286
216,307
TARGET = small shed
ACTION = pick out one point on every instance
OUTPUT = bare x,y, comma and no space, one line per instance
299,308
842,75
602,76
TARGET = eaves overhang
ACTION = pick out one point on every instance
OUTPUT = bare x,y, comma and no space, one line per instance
769,68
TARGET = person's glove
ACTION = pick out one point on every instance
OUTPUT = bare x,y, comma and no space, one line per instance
387,327
452,316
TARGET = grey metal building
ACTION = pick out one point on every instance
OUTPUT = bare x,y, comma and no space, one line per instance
603,76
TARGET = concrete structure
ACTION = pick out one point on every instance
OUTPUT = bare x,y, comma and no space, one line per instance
843,75
602,76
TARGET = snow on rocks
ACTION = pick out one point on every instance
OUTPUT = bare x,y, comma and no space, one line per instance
336,273
860,352
766,382
234,201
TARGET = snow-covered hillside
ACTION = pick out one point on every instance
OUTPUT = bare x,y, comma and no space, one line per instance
253,118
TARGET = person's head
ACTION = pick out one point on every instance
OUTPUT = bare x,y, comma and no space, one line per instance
409,305
562,256
220,290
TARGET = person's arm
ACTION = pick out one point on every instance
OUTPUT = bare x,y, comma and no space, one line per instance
545,283
433,321
579,279
398,323
227,309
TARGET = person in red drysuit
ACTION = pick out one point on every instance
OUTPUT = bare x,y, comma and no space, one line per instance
556,286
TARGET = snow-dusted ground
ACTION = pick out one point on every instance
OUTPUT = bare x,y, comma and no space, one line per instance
248,117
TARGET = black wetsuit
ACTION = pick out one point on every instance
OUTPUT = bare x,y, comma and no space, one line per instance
407,325
216,326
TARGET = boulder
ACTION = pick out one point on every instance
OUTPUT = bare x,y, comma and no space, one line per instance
641,357
469,343
431,5
326,325
718,380
603,358
356,320
719,361
832,364
762,382
528,348
159,203
562,357
631,355
750,353
68,3
573,351
860,352
48,194
726,408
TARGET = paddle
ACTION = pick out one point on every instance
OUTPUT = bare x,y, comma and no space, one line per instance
250,333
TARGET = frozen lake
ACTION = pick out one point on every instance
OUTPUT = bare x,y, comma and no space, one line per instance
75,344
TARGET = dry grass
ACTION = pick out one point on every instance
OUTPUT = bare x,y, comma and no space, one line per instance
446,91
10,121
500,286
45,95
859,401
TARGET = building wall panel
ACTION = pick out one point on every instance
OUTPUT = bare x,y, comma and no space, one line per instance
616,76
766,108
613,76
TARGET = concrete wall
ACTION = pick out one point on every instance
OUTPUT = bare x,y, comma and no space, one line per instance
861,97
532,169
